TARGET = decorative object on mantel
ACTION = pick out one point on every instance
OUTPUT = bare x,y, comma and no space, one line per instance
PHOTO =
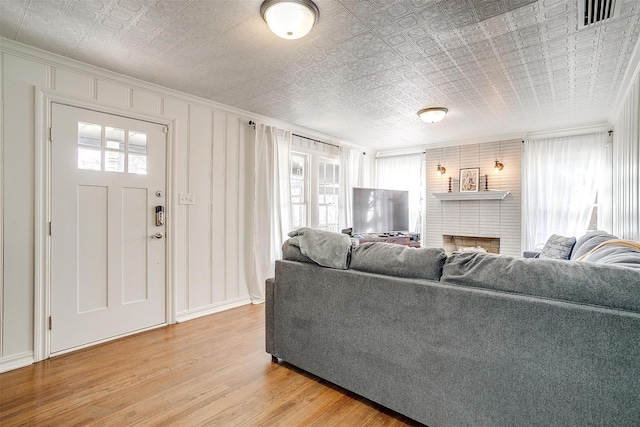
486,182
469,178
290,19
450,182
441,170
498,166
432,114
480,195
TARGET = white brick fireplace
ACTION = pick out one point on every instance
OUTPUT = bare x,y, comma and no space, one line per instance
494,219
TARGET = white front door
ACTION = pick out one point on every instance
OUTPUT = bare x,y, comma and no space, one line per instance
107,251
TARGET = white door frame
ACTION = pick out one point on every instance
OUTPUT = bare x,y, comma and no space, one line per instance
42,275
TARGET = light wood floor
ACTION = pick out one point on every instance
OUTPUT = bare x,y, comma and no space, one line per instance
208,371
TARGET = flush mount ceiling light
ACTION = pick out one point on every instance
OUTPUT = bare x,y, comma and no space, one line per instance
498,166
290,19
432,115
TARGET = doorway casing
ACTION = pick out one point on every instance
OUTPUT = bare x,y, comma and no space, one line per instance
42,279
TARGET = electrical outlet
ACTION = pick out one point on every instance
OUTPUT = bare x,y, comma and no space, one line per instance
187,199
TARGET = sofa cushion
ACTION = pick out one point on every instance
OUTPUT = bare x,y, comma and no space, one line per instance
558,247
582,282
589,241
398,260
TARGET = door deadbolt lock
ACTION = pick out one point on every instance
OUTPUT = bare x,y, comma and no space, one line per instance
159,216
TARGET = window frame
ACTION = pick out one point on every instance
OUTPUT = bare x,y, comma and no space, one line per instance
305,186
314,152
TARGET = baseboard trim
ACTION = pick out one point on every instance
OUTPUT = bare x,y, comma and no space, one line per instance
16,361
211,309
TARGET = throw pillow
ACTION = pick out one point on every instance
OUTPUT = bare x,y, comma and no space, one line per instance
558,247
589,241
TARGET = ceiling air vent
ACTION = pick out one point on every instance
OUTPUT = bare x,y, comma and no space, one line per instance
591,12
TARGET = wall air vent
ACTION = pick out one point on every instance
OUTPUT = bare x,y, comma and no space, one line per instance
591,12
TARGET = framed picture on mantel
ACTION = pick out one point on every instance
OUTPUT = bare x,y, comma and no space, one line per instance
469,179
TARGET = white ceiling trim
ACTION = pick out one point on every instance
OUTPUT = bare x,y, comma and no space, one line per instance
481,140
401,152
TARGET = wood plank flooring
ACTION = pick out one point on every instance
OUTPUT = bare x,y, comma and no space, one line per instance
208,371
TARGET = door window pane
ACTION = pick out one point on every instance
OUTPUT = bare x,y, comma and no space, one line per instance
114,137
89,134
89,159
115,152
137,141
114,161
138,164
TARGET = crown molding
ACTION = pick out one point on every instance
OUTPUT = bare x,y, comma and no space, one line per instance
479,140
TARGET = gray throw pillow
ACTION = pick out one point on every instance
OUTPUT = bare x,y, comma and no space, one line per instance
590,241
558,247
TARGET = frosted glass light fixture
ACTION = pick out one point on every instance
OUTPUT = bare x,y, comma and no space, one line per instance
433,114
441,170
290,19
498,166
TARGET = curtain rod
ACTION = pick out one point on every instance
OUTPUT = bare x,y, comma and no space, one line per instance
252,123
315,140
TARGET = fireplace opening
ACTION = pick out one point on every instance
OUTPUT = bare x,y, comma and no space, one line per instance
452,243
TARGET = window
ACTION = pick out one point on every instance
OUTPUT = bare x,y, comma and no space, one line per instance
299,180
104,148
328,195
314,184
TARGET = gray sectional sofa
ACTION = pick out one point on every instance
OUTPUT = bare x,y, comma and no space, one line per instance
466,340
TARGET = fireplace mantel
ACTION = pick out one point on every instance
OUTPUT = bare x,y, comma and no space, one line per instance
479,195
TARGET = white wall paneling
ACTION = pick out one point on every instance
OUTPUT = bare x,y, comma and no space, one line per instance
481,218
19,76
626,169
113,94
1,204
211,151
73,83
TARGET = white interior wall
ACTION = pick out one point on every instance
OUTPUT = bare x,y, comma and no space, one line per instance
482,218
626,160
213,158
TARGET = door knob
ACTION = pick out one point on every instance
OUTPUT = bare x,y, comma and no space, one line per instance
157,236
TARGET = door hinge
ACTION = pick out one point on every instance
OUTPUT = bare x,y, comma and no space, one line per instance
166,129
49,228
49,322
51,134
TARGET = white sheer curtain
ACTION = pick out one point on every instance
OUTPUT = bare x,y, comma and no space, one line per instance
350,176
403,173
272,204
561,177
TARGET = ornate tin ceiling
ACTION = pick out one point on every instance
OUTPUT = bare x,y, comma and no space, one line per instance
500,67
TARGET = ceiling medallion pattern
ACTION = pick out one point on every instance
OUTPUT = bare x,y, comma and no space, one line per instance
500,66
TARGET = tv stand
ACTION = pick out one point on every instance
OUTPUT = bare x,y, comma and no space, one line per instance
399,239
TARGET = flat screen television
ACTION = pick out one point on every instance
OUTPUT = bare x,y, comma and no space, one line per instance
380,211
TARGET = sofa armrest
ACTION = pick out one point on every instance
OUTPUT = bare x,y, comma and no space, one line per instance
531,254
